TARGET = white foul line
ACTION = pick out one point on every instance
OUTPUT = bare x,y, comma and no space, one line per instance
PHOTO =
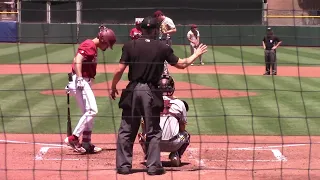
276,153
269,147
261,147
23,142
246,160
68,159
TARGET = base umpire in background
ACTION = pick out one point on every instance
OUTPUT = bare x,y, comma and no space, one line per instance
270,43
142,97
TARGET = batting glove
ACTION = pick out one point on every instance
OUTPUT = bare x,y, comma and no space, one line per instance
80,83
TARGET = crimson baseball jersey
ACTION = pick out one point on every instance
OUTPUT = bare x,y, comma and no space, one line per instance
89,65
135,33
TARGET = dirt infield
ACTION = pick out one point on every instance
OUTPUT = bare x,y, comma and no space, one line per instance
183,90
43,156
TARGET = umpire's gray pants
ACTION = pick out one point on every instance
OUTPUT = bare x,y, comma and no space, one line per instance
165,69
130,123
270,58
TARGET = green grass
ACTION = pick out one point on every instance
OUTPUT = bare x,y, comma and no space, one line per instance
281,107
233,55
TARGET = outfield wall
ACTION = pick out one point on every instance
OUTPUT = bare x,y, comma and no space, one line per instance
211,35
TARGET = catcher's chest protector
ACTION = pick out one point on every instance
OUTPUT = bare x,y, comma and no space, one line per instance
166,108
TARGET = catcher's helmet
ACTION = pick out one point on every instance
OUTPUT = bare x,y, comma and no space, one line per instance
107,36
166,85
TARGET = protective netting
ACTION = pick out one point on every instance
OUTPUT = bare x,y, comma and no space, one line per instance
243,124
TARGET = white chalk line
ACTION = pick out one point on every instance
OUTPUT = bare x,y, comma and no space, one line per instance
278,155
200,162
68,159
257,147
248,148
35,143
246,160
41,153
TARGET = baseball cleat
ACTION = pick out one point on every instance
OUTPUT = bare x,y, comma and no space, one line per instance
175,159
90,148
74,144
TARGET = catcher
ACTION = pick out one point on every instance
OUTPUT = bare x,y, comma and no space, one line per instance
173,120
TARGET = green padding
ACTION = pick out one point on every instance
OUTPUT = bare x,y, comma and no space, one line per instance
48,33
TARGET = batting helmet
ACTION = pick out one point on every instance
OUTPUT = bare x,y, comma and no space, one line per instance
107,36
166,85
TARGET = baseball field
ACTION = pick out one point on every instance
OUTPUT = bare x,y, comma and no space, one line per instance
244,125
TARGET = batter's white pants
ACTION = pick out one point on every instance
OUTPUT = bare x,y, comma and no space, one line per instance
86,102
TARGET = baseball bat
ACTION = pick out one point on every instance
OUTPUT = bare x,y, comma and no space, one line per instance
69,133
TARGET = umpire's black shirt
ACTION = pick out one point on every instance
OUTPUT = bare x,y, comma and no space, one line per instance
145,58
270,41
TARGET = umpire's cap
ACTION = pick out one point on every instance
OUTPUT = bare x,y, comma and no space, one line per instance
149,23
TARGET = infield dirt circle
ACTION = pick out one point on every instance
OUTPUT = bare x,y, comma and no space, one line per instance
43,156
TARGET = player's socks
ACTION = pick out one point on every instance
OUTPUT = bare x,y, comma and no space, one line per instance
86,136
75,137
86,143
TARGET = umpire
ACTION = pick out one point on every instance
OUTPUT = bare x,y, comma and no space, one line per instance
142,97
270,43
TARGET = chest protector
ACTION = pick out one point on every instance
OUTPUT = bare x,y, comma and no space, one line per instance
166,112
166,108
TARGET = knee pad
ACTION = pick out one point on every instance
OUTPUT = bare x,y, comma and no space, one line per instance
188,136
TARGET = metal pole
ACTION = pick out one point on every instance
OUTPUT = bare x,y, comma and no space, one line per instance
78,9
48,12
19,19
265,12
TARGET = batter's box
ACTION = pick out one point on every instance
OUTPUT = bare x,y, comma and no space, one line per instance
53,157
232,158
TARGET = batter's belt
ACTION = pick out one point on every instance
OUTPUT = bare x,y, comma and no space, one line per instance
72,74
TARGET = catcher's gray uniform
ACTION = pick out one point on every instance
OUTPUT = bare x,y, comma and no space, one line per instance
175,114
173,140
